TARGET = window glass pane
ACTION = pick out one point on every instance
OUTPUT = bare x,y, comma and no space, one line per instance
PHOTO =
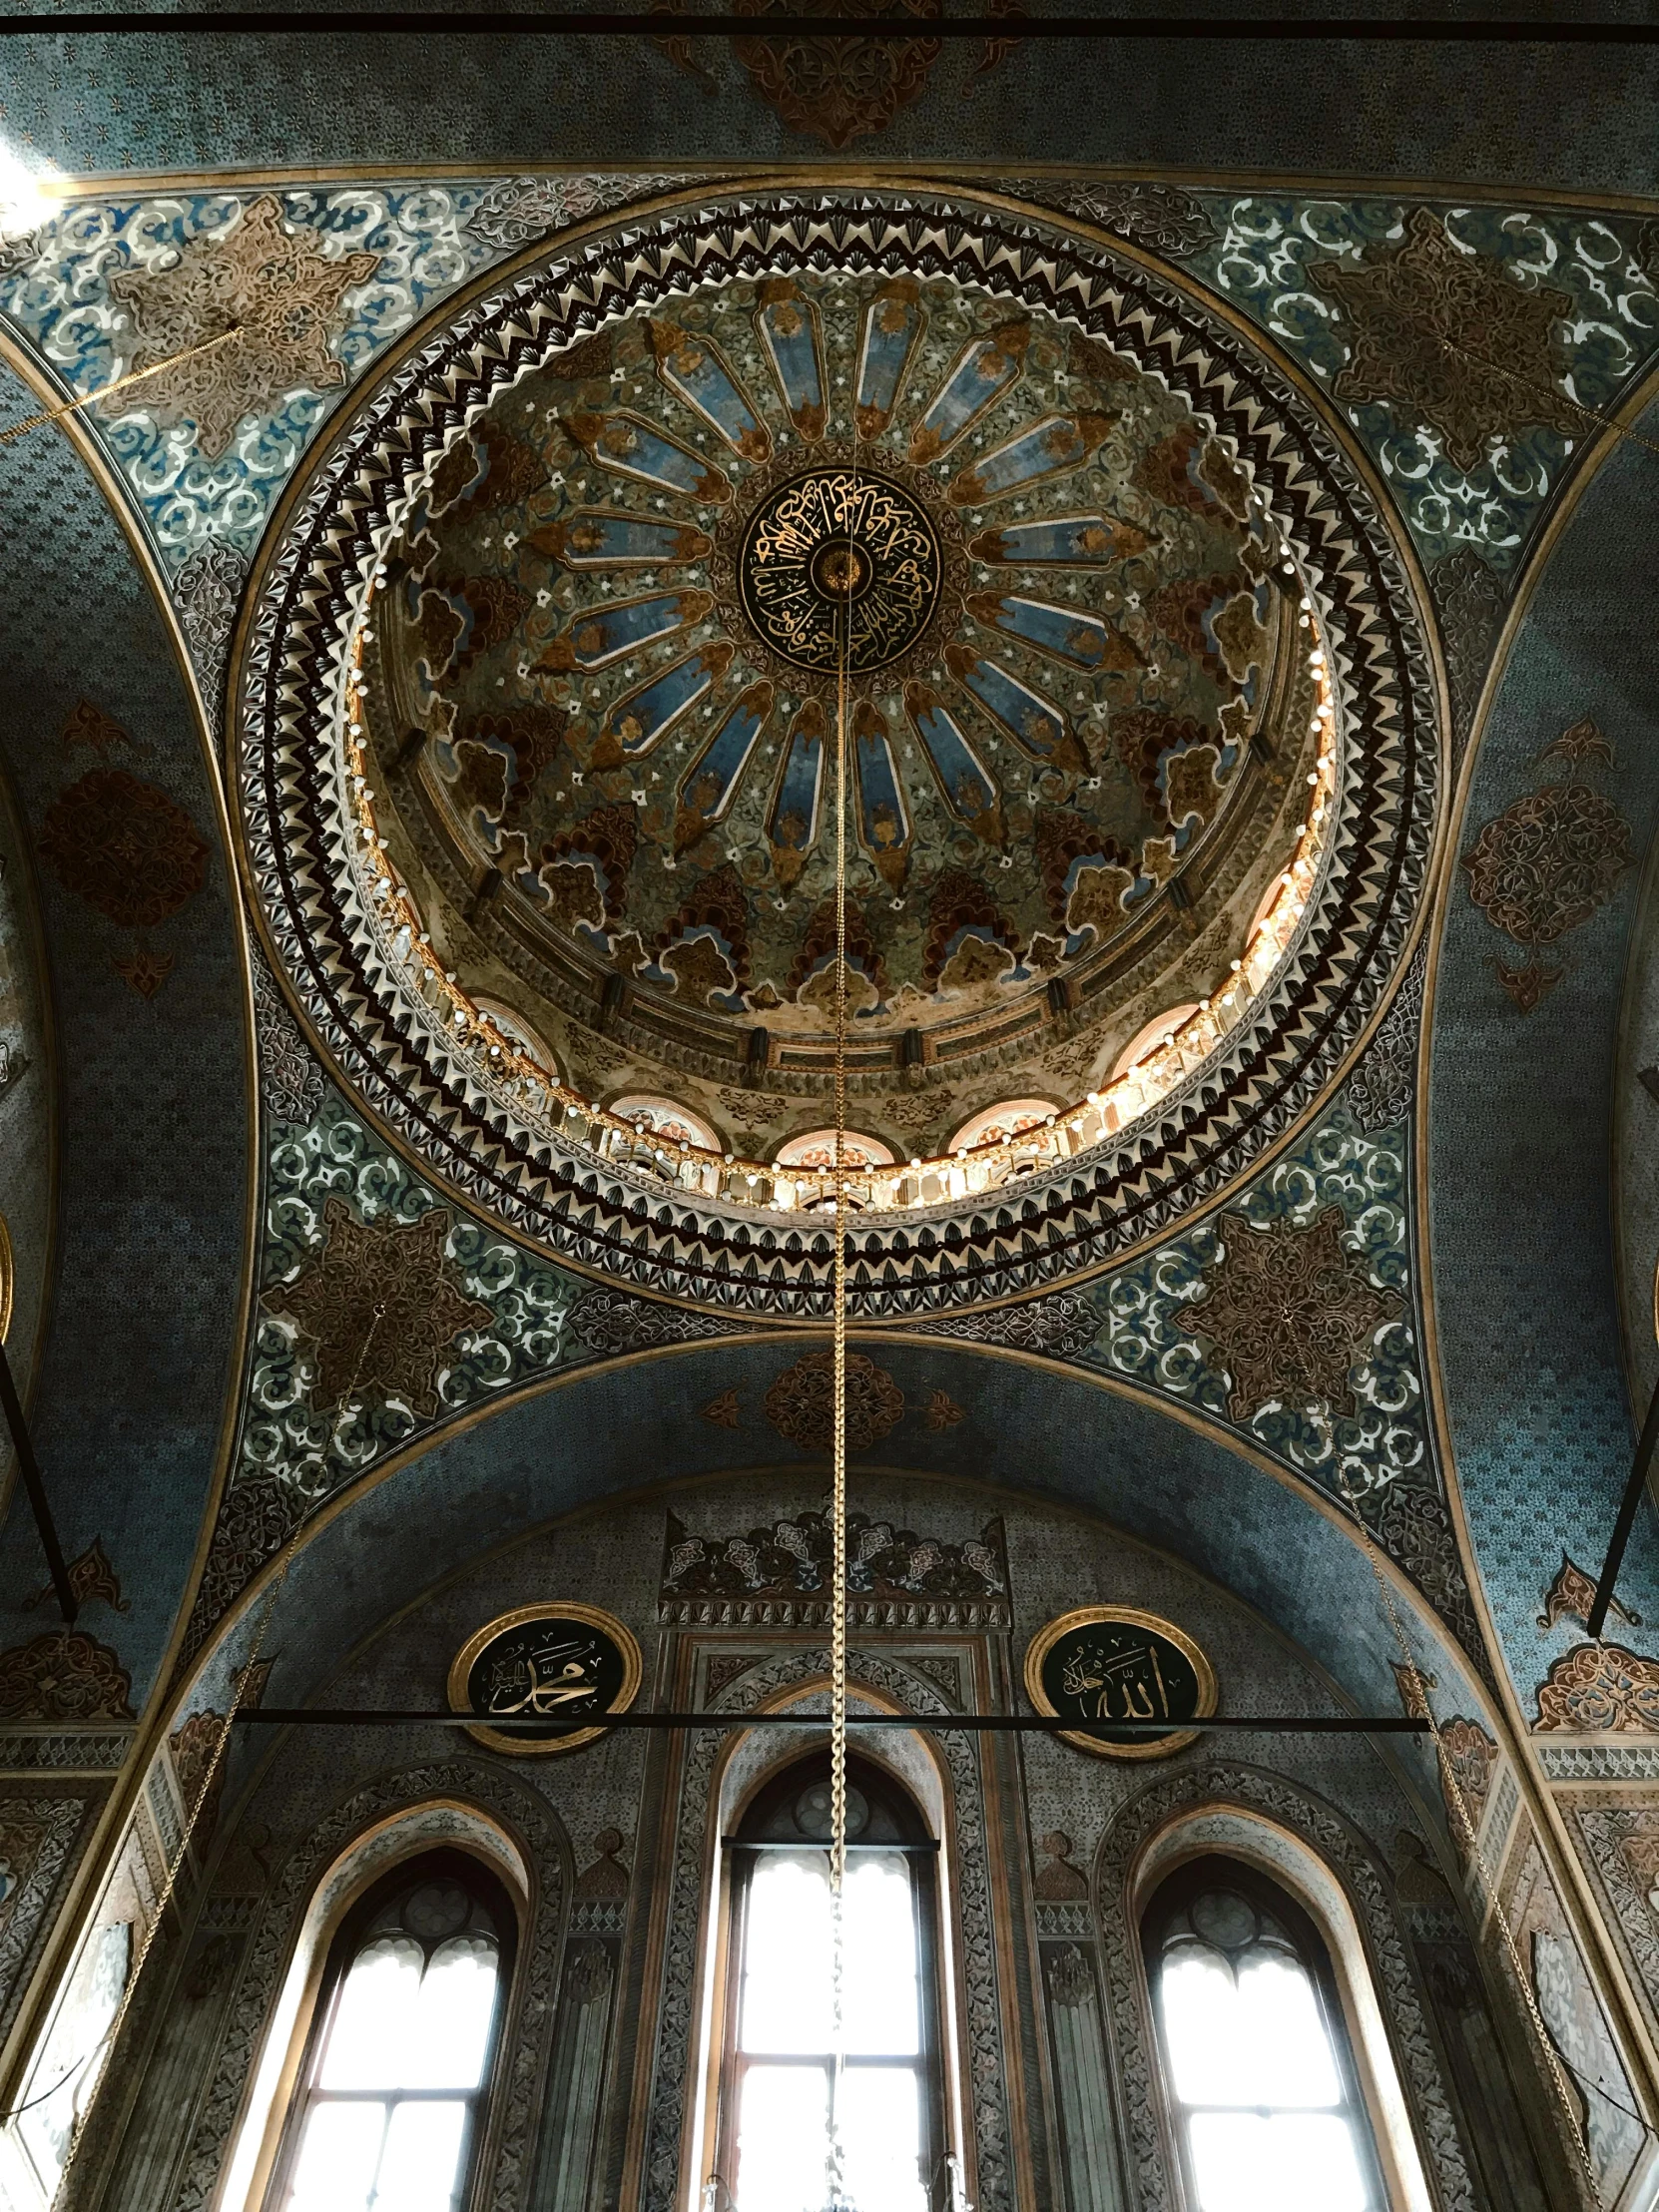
1257,2041
338,2157
450,2029
423,2149
880,2008
880,2116
1289,2162
786,1983
1283,2032
782,2140
1200,2004
367,2041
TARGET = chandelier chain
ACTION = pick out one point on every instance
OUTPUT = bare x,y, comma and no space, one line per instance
121,384
837,1602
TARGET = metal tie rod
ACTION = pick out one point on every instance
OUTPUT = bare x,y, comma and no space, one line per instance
1557,30
29,1468
1297,1723
1626,1521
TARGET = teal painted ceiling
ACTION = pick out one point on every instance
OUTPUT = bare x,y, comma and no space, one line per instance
1445,1195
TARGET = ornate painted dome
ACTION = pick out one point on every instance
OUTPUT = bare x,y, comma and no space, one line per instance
604,680
545,683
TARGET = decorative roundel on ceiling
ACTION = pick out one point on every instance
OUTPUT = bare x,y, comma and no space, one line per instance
537,729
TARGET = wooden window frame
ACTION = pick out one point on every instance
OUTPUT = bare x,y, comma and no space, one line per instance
744,1852
1218,1870
487,1888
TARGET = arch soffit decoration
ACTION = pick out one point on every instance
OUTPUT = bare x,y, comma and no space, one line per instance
154,1154
1177,1485
1529,1334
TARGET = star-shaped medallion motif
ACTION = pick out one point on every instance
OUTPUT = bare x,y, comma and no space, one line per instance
1446,340
274,288
381,1307
1290,1314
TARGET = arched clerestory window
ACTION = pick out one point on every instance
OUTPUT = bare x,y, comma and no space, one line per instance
780,2087
1259,2073
395,2082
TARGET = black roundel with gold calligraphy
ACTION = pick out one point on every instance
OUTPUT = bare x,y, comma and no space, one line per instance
559,1665
839,568
1106,1664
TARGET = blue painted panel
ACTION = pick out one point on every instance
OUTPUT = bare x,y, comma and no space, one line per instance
883,818
597,538
969,789
695,369
605,634
981,373
791,825
1084,541
641,717
893,323
711,784
1081,638
1031,719
789,328
1048,448
634,447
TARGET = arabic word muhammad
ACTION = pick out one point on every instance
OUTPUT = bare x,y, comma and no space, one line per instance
555,1669
1119,1671
834,549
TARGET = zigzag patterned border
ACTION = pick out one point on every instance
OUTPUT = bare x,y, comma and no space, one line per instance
616,1223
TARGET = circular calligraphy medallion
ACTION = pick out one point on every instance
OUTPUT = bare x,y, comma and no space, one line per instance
545,1669
1111,1663
840,550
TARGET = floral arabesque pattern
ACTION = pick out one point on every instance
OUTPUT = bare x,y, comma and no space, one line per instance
1545,865
1289,1313
381,1308
1442,336
801,1402
64,298
1599,1687
124,847
1384,1437
268,300
1263,258
293,1453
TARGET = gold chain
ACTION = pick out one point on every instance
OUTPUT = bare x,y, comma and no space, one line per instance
837,1593
106,391
1463,1820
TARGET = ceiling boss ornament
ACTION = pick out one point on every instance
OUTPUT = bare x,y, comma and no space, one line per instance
538,707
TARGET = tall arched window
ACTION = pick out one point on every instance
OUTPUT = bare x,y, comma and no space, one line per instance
778,2082
1260,2075
396,2070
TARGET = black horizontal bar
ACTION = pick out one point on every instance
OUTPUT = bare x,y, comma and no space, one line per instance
1037,1724
1561,30
806,1842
